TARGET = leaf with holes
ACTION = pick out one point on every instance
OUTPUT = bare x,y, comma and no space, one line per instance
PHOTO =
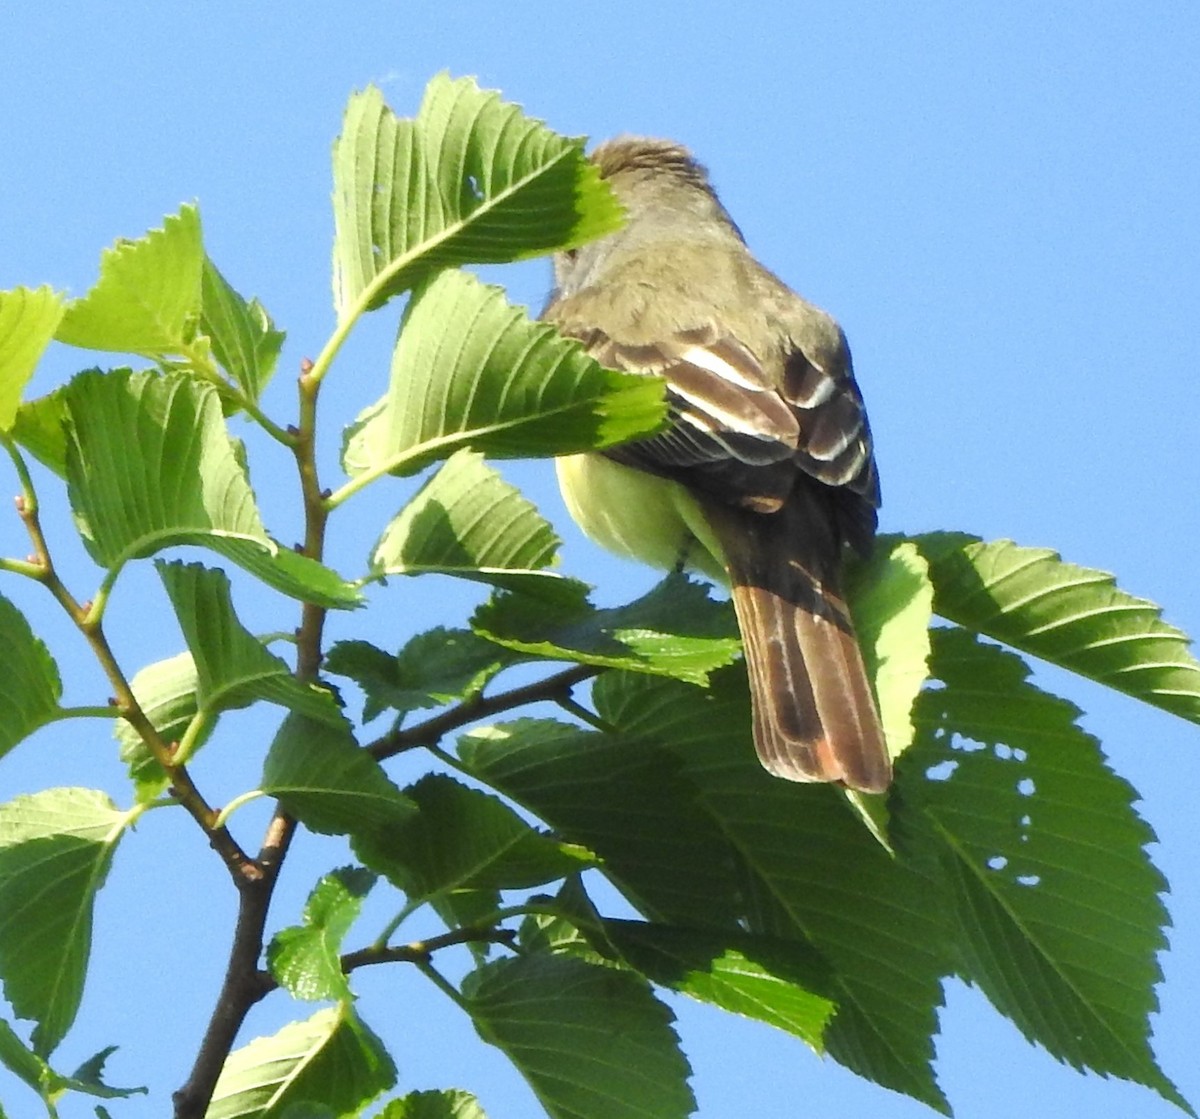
1057,904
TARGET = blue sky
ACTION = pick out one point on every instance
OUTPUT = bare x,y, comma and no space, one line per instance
998,202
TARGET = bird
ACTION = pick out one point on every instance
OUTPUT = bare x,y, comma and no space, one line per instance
764,476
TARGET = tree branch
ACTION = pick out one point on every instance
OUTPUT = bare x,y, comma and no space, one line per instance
552,689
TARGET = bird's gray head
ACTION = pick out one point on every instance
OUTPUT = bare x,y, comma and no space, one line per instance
666,194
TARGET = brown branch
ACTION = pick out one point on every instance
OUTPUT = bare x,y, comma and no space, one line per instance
244,985
430,732
240,866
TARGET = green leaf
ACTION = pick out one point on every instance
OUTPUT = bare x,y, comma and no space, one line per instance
694,833
589,1040
55,851
464,839
35,1071
471,179
467,521
450,1104
40,428
30,688
244,340
305,958
892,600
166,693
471,370
329,783
674,630
147,300
28,320
780,982
234,668
331,1059
1057,904
1072,616
434,668
150,464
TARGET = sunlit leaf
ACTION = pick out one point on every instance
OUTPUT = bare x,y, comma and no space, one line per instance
55,851
471,370
243,338
470,179
166,693
1071,616
30,687
150,464
686,822
28,319
147,300
305,958
331,1059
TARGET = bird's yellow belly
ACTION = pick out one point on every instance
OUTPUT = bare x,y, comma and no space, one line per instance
637,514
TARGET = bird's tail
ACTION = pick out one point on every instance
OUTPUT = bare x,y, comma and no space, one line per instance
814,715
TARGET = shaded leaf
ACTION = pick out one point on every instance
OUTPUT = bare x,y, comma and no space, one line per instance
471,370
40,428
30,688
147,300
674,630
450,1104
467,521
28,319
55,851
470,179
1072,616
1057,904
35,1071
329,783
150,464
589,1040
243,338
465,839
694,833
434,668
234,668
305,958
780,982
331,1059
166,693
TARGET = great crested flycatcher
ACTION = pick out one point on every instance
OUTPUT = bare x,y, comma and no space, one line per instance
766,472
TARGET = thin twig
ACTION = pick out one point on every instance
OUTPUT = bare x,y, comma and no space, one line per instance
430,732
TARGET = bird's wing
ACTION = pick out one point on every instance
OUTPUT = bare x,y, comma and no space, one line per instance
740,436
